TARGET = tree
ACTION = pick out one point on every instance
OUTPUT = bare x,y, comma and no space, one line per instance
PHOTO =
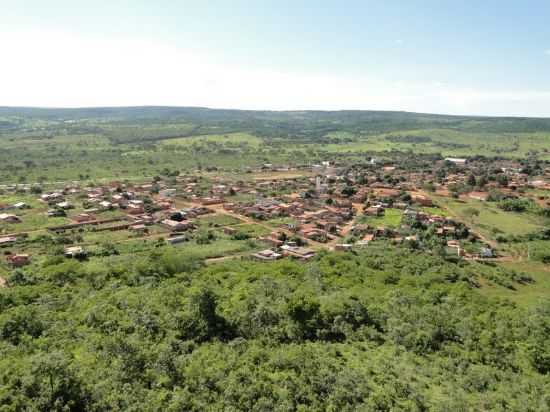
202,322
482,181
36,189
502,180
54,385
471,213
304,311
349,191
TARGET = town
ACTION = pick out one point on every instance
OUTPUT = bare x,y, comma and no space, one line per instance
274,212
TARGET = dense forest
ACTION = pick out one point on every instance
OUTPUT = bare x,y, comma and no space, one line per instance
380,330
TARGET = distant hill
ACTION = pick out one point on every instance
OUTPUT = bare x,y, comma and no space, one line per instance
279,123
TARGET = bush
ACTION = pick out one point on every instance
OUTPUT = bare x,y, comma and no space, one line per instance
515,205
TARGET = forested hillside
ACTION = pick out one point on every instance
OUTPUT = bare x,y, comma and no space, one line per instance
390,331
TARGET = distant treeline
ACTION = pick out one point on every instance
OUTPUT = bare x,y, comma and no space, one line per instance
298,125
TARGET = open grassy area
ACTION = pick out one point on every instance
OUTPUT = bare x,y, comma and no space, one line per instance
528,294
237,140
217,220
281,221
435,211
222,246
491,220
392,218
252,230
445,141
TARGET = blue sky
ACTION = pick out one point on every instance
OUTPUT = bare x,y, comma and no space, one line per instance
469,57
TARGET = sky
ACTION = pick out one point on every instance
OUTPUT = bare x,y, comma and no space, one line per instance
457,57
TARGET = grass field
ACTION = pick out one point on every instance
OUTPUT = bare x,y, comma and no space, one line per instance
236,140
447,142
217,220
435,211
525,295
492,221
281,221
392,218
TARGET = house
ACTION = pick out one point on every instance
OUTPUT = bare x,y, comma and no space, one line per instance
272,239
211,201
195,211
138,228
56,213
64,205
176,226
266,255
343,204
369,237
83,217
163,205
481,196
177,239
359,230
144,219
421,200
486,252
457,161
9,218
21,205
118,199
135,209
48,197
18,260
386,192
359,197
7,241
106,205
167,192
75,252
300,253
327,226
309,231
374,211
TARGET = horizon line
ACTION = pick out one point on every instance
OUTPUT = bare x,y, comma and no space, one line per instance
4,107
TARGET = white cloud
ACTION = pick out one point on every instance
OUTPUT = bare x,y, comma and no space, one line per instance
63,70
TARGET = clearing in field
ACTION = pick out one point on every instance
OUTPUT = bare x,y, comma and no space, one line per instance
491,221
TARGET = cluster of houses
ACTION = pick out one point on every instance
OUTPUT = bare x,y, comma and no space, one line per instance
318,206
288,249
310,219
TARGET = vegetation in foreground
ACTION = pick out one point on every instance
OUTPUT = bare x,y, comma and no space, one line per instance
377,330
